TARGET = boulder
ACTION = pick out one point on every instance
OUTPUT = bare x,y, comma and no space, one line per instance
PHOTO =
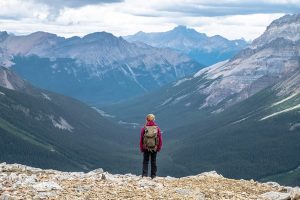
275,196
7,197
46,186
97,171
295,193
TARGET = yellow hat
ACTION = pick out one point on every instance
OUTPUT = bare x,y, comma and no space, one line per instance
150,117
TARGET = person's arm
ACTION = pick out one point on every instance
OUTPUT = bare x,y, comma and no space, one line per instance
159,140
141,140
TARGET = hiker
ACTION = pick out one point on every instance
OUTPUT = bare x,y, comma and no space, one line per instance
150,144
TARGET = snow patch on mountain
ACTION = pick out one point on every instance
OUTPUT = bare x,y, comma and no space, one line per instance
45,96
280,112
61,123
131,124
285,99
238,121
178,99
188,104
102,113
181,81
166,101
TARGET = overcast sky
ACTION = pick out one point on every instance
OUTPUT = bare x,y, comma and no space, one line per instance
232,19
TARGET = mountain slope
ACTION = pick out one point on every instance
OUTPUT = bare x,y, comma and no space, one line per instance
48,130
236,116
97,68
204,49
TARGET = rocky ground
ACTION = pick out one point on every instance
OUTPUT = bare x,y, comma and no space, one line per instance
23,182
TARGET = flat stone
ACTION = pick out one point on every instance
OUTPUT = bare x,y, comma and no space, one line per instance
145,183
295,193
169,178
97,171
46,186
275,196
7,197
213,174
183,192
272,184
45,195
201,196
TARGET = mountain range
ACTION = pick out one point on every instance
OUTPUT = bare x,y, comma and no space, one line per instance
97,68
202,48
236,116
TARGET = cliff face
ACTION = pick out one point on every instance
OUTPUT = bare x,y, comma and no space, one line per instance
23,182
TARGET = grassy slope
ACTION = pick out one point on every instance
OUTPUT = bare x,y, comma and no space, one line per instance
94,141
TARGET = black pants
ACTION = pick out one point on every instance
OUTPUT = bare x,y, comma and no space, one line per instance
147,155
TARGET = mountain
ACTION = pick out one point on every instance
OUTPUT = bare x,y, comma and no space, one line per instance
204,49
97,68
97,184
47,130
236,116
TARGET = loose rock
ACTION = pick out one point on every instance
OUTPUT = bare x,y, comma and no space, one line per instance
23,182
276,196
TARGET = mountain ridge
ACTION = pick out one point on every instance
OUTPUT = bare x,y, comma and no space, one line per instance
204,49
93,62
37,183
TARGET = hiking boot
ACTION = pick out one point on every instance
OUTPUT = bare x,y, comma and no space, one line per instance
153,176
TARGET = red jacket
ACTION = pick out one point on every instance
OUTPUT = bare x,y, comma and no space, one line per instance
150,123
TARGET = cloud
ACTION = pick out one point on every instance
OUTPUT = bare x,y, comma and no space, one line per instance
67,18
74,3
18,10
222,8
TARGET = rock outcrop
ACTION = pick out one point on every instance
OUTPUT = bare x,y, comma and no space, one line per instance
23,182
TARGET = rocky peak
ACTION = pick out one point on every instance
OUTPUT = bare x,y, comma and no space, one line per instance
42,35
182,28
187,32
3,35
287,27
98,36
287,19
23,182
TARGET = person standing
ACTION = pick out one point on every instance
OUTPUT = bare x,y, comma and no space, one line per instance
150,144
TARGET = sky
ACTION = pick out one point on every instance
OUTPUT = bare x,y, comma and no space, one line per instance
233,19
